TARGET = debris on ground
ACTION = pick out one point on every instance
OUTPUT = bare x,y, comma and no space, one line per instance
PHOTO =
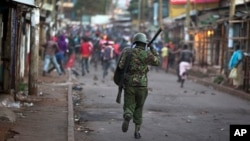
84,129
77,88
95,77
27,104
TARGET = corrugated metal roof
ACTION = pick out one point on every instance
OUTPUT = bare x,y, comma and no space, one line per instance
26,2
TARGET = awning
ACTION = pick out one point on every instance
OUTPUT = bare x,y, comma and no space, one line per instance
47,6
191,13
26,2
182,2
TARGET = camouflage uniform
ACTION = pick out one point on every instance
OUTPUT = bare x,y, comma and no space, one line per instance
136,80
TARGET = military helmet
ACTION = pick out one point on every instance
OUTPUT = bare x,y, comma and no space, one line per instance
140,37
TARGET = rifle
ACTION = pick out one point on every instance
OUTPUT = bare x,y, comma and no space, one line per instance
155,36
118,98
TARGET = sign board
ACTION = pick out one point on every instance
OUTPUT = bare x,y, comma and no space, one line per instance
27,2
47,6
86,19
100,19
193,1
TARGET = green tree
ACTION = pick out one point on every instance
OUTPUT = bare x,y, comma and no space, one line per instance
91,7
133,8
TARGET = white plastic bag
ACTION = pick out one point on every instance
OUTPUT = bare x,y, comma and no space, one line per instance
233,73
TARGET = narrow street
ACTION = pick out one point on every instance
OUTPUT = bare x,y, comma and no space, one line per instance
43,98
171,113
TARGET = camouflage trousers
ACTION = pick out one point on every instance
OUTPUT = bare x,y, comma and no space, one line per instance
134,99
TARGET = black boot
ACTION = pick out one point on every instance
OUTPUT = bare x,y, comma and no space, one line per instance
125,123
137,134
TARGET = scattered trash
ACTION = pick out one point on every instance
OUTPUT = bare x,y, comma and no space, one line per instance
28,104
102,96
77,119
85,129
40,93
74,72
10,104
222,129
202,92
95,77
78,88
26,98
20,115
213,93
21,95
80,128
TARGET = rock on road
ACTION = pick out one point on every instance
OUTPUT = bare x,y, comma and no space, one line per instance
171,113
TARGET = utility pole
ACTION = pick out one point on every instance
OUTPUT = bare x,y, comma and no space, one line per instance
160,18
160,13
139,14
231,15
142,15
34,49
230,34
187,24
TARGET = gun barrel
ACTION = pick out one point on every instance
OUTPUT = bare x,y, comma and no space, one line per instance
118,98
155,36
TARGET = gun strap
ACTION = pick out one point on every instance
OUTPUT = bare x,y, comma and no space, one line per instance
128,58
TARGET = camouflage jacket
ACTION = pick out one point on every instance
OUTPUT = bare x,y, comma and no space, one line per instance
136,74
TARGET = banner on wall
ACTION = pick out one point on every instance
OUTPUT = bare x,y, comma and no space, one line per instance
193,1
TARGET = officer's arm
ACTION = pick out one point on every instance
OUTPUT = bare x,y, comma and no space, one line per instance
153,57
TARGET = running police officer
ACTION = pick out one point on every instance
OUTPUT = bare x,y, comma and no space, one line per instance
136,80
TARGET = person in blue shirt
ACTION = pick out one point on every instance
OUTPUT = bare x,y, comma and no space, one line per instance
236,62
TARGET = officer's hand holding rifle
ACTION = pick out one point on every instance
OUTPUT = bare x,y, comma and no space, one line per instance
153,50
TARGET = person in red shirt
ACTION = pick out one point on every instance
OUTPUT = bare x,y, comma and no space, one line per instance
86,51
117,50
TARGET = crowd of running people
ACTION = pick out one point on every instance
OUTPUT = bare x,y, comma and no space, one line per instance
97,46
